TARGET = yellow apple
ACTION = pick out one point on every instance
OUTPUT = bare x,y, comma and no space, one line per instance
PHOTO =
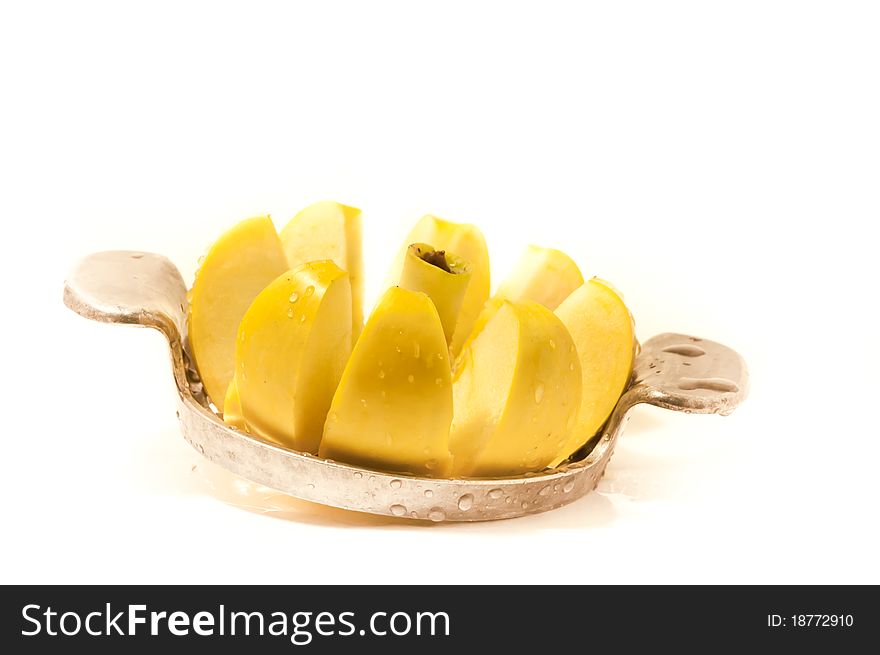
516,393
393,407
602,329
290,352
330,230
236,268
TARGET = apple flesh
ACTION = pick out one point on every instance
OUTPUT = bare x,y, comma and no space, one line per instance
601,327
542,275
290,352
467,242
393,407
236,268
330,230
516,393
443,276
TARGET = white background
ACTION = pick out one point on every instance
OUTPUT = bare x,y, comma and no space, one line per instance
718,163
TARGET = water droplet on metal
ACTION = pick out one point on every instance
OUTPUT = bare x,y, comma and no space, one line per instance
429,493
544,491
358,475
523,504
436,514
310,486
139,255
495,493
568,486
396,484
398,510
465,502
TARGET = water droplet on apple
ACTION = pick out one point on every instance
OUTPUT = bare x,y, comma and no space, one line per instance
539,392
381,374
290,313
417,349
310,290
411,378
552,345
293,297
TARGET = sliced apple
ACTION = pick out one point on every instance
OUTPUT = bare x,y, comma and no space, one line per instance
236,268
467,242
291,349
393,407
602,329
330,230
232,413
443,276
516,393
543,275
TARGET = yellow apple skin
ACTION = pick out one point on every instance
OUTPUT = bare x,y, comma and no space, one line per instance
516,393
393,407
601,327
330,230
445,288
232,413
237,267
467,242
291,349
542,275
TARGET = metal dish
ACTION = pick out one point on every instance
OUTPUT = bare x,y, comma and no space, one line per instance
674,371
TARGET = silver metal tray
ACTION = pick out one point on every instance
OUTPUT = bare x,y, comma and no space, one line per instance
674,371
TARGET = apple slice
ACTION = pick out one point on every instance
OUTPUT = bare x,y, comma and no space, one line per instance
237,267
602,329
443,276
232,413
516,393
467,242
542,275
291,349
330,230
393,407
